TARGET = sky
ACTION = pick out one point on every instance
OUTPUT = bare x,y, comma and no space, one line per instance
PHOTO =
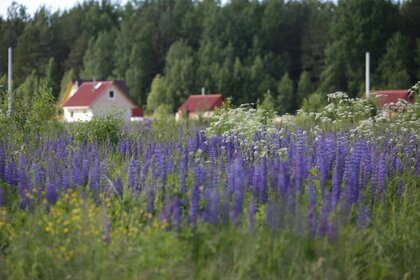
33,5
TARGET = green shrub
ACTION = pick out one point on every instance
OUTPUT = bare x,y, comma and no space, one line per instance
99,129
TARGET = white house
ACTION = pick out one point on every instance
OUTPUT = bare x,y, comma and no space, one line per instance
100,98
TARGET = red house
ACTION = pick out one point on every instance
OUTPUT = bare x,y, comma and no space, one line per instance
89,98
200,105
387,99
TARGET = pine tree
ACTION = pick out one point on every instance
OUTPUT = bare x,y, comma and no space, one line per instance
286,98
392,67
158,95
305,87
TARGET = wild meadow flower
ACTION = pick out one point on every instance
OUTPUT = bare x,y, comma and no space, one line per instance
150,200
194,209
85,172
362,216
76,171
299,161
252,210
118,186
65,178
51,192
2,160
381,175
95,177
211,209
177,213
2,198
312,200
133,173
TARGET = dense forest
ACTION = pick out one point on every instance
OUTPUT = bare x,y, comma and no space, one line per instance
271,52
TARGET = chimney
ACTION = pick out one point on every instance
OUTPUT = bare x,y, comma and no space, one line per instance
9,83
367,74
203,91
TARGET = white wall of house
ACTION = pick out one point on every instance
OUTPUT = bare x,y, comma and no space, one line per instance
116,101
77,114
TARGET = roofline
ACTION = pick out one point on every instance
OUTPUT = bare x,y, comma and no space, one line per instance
76,107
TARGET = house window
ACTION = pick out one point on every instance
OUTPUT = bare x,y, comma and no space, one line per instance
71,114
111,94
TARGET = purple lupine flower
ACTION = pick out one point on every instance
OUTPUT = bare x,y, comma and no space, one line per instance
199,175
333,229
133,172
417,164
85,172
251,213
352,182
65,179
269,215
283,181
161,165
227,193
259,182
211,210
194,210
150,200
312,209
51,192
400,189
2,198
118,186
238,202
321,162
122,147
2,161
381,175
76,172
299,158
362,216
95,177
339,169
229,150
128,148
323,217
177,213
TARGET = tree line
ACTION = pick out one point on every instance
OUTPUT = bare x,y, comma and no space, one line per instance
276,53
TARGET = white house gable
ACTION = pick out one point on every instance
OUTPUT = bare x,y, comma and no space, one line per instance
111,99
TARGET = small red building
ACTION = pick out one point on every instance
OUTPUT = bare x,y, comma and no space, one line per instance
387,99
200,105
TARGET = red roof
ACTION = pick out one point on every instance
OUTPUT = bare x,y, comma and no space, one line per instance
206,102
137,112
88,92
385,97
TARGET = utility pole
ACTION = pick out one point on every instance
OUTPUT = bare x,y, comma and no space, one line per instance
9,84
367,74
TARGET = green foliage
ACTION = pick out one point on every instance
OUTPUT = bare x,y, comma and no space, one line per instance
98,60
304,88
100,129
240,49
158,95
179,73
286,98
357,26
268,103
67,78
392,67
314,103
243,120
29,119
53,77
